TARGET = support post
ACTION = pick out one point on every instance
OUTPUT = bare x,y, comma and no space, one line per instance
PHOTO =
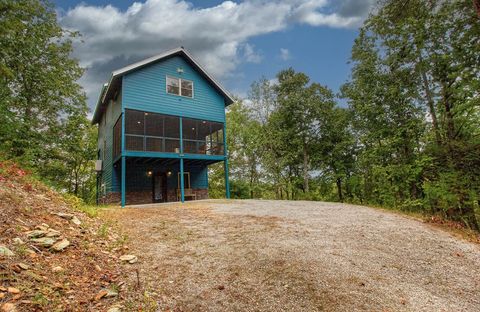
124,169
182,182
124,163
182,190
225,162
227,183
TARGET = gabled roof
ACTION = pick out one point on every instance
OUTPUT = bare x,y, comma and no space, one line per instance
109,88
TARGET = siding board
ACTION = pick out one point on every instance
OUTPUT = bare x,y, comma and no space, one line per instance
145,89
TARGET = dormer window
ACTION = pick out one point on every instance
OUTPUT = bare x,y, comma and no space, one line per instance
180,87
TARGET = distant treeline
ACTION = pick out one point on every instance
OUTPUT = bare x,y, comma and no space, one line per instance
409,137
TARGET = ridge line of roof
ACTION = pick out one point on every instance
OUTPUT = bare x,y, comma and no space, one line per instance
120,72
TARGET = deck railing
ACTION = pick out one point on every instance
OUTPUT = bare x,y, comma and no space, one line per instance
151,132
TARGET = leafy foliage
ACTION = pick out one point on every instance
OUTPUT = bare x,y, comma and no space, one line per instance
409,138
43,120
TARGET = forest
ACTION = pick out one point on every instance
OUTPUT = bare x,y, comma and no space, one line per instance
402,133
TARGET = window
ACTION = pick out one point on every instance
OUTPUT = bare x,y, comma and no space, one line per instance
179,86
186,180
104,149
202,137
173,85
117,137
186,88
151,132
134,122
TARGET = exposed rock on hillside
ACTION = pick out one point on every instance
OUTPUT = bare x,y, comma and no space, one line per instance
52,257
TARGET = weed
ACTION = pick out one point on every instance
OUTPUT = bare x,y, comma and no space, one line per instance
103,230
21,250
40,299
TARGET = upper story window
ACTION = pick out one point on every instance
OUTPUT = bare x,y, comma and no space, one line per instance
179,86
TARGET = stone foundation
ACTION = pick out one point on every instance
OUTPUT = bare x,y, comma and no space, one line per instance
145,197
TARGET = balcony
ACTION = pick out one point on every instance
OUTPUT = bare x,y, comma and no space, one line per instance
152,132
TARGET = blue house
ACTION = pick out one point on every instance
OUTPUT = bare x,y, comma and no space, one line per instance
161,123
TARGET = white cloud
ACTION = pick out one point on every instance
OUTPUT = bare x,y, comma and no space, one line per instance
285,54
250,55
218,36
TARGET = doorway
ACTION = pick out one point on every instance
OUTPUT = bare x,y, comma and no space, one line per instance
159,187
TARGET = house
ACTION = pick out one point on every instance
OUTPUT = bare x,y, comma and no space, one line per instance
161,123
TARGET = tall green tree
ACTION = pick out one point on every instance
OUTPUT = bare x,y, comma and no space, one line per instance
301,109
38,77
416,65
41,103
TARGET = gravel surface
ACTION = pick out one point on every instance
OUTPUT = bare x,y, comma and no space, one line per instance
257,255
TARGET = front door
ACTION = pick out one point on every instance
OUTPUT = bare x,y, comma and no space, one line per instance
159,187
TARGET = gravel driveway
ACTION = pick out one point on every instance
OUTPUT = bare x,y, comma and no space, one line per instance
257,255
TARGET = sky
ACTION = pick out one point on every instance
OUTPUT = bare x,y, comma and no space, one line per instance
237,42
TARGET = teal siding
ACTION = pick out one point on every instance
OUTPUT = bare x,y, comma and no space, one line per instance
138,179
145,90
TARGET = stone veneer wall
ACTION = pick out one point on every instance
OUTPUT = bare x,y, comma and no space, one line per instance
145,197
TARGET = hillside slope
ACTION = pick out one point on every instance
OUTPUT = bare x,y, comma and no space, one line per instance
52,256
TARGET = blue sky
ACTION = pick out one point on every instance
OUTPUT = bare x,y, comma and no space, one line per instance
238,42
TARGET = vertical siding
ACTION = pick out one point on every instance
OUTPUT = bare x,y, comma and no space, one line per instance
145,90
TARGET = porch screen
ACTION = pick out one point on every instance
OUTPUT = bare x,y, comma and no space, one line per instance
202,137
117,137
151,132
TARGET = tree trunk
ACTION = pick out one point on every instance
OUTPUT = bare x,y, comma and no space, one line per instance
476,5
430,102
305,169
448,112
468,213
339,189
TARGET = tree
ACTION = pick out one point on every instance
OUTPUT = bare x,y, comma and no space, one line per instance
40,98
301,110
415,65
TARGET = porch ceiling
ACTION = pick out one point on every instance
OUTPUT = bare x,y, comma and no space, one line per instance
168,161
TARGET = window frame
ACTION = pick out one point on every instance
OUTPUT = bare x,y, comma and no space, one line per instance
185,174
180,80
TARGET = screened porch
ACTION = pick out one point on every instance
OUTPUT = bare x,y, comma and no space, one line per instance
153,132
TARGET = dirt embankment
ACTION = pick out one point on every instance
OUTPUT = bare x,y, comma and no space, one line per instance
52,256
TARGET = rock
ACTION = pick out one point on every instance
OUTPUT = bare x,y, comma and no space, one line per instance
36,233
76,221
129,258
44,241
9,307
106,293
111,293
4,251
115,308
23,266
57,269
67,216
43,227
2,288
53,233
16,297
61,245
102,293
18,241
2,295
13,290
